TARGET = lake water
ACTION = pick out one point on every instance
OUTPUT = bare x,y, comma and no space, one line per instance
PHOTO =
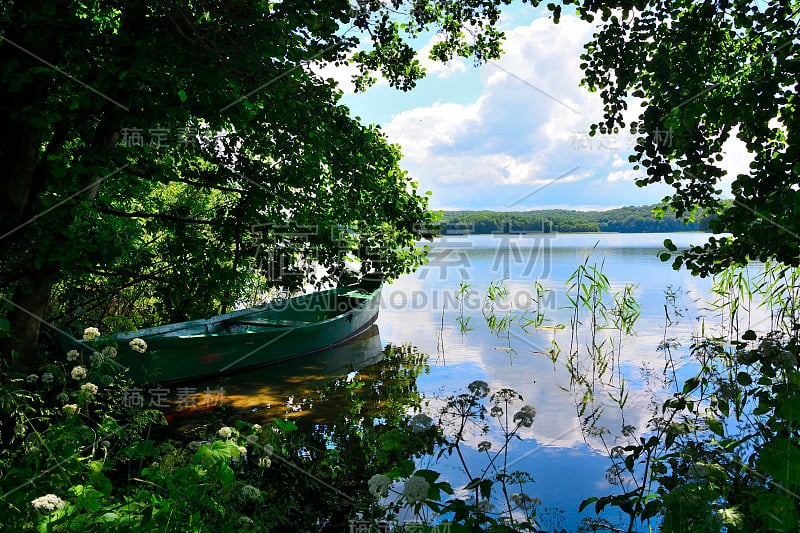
567,464
566,455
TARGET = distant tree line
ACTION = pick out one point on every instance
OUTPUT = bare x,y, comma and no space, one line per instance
631,219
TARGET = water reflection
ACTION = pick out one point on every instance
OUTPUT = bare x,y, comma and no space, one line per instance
565,448
285,389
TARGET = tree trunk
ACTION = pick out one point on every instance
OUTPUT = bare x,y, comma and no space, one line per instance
21,177
26,317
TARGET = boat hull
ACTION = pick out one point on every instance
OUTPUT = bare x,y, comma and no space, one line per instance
249,338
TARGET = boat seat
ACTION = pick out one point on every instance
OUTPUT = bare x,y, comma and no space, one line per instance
268,322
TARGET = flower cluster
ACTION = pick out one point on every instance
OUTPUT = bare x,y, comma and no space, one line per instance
73,355
89,388
90,334
70,409
48,503
110,352
138,345
249,492
78,373
225,432
479,388
420,423
416,489
97,358
379,485
524,417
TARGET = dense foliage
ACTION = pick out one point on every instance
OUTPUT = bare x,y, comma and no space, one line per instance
165,161
638,219
707,71
80,458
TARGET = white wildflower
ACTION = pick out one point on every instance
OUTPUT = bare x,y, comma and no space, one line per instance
110,352
421,423
97,358
252,439
249,492
265,462
48,503
479,388
32,378
267,449
91,333
379,485
524,417
242,451
72,355
256,427
225,432
138,345
523,501
70,409
89,388
47,377
416,489
78,373
484,506
63,397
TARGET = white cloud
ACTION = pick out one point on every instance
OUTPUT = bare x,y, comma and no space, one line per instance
618,162
528,127
736,160
626,175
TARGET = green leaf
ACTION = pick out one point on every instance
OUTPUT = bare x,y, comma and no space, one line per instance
715,425
744,379
473,484
780,460
486,488
226,475
585,503
691,384
651,509
182,95
284,425
428,475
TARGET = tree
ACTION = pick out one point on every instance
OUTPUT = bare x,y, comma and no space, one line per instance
153,156
706,71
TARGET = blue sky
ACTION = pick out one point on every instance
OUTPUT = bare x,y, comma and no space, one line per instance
511,135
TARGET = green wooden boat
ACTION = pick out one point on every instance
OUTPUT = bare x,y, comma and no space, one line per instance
252,337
